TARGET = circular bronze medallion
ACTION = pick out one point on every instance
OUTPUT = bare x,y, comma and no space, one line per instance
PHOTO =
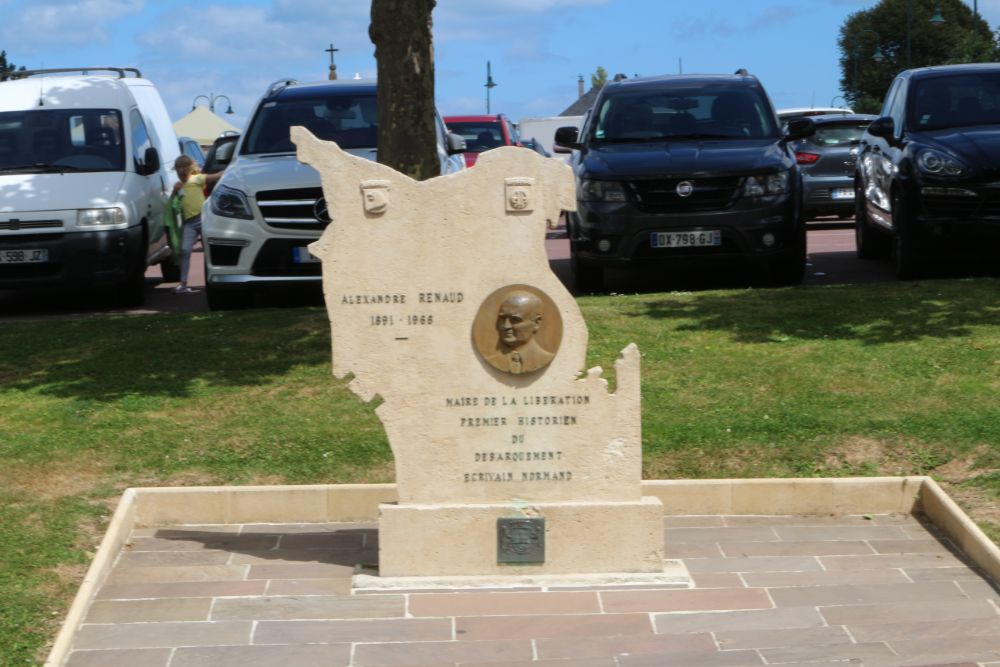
517,329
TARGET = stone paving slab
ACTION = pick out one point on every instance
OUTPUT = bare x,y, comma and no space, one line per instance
878,591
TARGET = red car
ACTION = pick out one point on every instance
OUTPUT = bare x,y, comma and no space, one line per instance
482,133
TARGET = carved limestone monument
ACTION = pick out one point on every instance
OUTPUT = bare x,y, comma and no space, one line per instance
443,310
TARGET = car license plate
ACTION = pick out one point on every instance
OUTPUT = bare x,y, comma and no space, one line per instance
711,237
301,255
842,193
32,256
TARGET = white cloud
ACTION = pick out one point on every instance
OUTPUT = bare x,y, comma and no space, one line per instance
32,27
258,34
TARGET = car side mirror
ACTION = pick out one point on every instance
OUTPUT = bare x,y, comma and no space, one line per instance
456,144
224,154
883,127
150,161
800,128
568,138
560,149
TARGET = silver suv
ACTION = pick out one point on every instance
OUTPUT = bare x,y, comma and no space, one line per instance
268,207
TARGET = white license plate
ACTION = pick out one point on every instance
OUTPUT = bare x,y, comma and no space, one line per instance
842,193
32,256
301,255
711,237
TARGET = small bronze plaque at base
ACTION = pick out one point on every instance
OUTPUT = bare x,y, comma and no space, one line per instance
521,540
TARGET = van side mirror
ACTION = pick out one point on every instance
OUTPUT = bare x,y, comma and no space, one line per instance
800,128
150,161
568,137
884,128
456,144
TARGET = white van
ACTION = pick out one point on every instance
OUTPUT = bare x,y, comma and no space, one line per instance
86,169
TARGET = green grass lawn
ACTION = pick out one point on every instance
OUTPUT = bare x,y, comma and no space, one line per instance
898,378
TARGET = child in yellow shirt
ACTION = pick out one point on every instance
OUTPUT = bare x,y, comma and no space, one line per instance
191,189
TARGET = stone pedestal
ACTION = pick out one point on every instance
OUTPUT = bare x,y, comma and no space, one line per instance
457,540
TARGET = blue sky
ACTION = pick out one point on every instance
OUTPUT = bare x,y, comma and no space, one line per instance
537,48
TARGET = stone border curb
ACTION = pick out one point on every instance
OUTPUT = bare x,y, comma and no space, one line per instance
359,502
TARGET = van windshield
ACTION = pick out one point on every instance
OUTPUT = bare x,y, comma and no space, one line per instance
59,140
349,120
710,112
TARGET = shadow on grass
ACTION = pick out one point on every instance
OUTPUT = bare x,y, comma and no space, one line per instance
112,358
871,314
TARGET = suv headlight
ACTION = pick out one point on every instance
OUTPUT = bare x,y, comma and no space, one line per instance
937,163
101,217
767,184
604,191
230,203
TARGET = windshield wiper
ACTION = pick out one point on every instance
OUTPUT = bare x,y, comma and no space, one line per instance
703,135
630,140
39,167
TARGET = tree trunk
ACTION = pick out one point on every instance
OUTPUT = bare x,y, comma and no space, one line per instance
404,51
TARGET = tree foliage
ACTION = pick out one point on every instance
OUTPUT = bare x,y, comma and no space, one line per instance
599,77
404,53
5,64
962,38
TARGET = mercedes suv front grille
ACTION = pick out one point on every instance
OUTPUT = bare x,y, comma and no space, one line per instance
297,208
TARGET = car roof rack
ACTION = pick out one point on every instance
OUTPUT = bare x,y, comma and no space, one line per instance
279,85
122,72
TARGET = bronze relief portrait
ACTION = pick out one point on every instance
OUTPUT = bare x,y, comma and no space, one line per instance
517,329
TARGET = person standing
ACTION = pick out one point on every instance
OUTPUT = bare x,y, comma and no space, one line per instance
191,191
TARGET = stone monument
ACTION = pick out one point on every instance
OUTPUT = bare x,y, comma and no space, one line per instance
443,310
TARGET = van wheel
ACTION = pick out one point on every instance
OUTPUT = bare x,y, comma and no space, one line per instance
130,292
226,299
869,243
171,272
586,277
907,259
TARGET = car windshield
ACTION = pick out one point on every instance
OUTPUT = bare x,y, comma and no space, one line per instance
39,141
349,120
955,101
478,137
841,134
710,112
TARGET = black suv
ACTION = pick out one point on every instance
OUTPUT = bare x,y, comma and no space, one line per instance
927,182
685,168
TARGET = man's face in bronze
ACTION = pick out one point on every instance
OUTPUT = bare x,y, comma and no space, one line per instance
518,320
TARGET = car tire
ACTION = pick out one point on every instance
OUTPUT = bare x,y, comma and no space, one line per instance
907,258
170,271
586,277
790,268
870,243
226,298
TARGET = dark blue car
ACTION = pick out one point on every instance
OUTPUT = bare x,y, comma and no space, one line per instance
927,182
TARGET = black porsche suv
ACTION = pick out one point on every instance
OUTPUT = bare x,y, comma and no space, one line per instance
688,168
927,181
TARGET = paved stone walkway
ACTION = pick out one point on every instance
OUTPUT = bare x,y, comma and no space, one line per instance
872,592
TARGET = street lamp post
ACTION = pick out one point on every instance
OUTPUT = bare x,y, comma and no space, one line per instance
211,98
489,85
937,19
856,53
